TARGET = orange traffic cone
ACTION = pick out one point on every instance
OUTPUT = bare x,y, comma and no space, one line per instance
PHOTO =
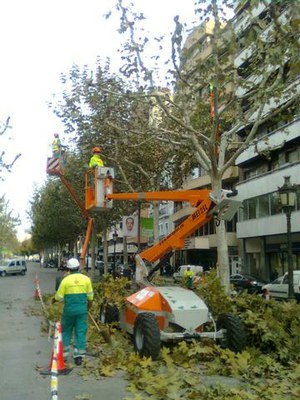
36,295
57,361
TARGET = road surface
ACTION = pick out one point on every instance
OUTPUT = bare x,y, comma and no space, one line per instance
23,347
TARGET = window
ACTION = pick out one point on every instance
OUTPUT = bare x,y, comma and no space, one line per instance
207,229
231,225
292,155
274,204
263,206
252,204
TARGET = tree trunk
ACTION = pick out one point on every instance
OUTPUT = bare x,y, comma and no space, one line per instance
93,250
222,247
125,253
156,221
223,259
105,250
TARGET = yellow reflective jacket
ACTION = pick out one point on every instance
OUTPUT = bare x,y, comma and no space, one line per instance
96,161
75,290
188,274
56,145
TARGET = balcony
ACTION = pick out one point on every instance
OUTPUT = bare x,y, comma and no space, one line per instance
271,142
183,213
204,181
273,225
264,184
268,182
208,242
244,20
244,23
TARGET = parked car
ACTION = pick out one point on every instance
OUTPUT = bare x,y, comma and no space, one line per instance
100,266
196,269
279,288
247,282
63,265
51,264
15,266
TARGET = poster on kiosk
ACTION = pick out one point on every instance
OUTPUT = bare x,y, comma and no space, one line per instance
130,225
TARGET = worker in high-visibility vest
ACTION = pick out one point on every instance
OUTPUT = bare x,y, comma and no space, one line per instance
96,160
188,276
76,291
56,146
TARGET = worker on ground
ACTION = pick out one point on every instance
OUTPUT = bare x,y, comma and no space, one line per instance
188,276
76,291
96,160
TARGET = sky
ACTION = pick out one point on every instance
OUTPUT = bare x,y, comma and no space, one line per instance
40,39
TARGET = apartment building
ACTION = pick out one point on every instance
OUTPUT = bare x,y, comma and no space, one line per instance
257,241
201,247
262,227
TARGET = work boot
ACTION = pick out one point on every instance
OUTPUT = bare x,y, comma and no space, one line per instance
78,360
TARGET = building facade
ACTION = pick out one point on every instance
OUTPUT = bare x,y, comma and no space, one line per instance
257,240
262,227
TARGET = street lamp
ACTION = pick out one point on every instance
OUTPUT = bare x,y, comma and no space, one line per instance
115,237
287,194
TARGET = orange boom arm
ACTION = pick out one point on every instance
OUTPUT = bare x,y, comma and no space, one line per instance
175,240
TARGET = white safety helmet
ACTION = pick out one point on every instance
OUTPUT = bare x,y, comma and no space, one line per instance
73,263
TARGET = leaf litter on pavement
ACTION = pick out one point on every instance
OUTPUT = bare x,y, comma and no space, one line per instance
268,368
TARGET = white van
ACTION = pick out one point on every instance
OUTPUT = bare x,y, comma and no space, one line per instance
196,269
15,266
279,288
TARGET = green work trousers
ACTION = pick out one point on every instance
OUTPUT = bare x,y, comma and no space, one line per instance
78,324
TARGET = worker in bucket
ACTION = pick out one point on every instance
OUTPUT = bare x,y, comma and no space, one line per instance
76,291
96,160
57,147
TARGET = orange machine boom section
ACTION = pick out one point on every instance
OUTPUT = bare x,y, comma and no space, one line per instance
175,240
54,167
191,196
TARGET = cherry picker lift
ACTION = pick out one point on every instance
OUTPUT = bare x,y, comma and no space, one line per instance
55,167
160,314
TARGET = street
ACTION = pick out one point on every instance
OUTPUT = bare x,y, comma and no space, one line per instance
24,348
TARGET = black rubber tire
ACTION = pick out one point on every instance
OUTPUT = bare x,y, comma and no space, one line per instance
3,273
235,337
108,314
23,272
58,279
146,336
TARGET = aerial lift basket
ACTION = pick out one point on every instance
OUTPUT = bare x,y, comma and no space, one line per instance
98,184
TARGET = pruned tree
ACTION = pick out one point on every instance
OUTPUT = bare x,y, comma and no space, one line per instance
8,227
216,107
6,165
100,108
55,219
